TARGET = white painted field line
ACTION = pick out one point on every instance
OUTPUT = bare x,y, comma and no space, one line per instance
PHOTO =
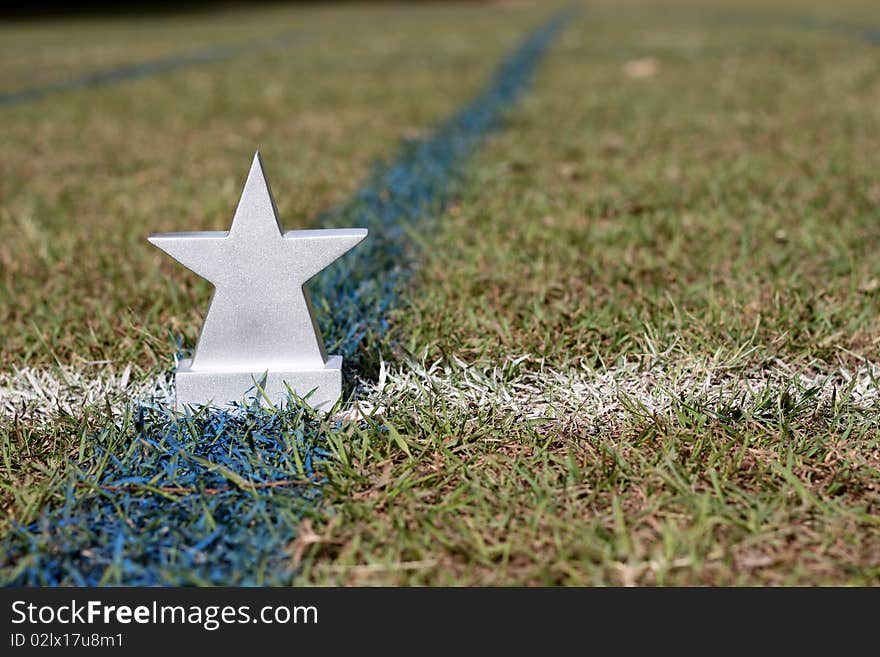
601,400
594,400
38,395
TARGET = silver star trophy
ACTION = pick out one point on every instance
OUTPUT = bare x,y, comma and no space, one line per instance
259,335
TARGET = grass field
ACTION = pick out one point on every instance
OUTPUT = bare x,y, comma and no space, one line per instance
628,335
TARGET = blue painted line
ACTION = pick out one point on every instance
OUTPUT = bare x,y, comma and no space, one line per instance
872,36
208,55
123,524
855,30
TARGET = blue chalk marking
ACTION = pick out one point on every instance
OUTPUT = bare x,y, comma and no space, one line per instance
851,29
191,499
872,36
208,55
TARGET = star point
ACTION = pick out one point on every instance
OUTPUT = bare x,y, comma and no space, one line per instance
256,215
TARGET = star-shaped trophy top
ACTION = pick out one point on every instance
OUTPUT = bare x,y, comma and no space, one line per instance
260,317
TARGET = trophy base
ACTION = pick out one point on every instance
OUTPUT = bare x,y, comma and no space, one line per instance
225,389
